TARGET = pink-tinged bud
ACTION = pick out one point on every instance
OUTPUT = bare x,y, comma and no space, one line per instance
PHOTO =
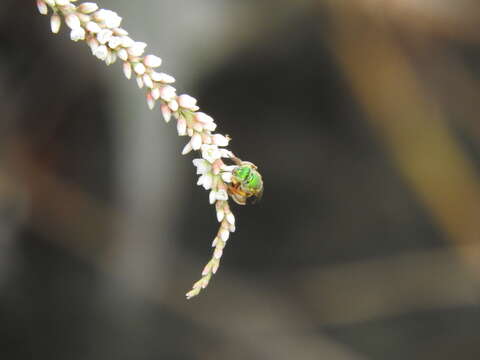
150,101
220,140
196,141
72,21
162,77
93,43
173,105
187,148
216,166
147,80
152,61
55,23
156,93
127,70
42,7
87,7
217,254
122,54
101,52
139,82
203,118
168,93
167,114
139,68
224,234
77,34
181,127
93,27
187,101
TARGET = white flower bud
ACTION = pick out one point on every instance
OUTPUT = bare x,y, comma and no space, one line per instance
203,118
50,2
187,101
168,93
212,197
147,80
114,42
109,18
93,27
139,82
217,254
77,34
104,36
196,141
173,105
122,54
87,7
139,68
55,23
210,126
207,181
72,21
220,215
227,177
152,61
220,140
137,48
224,234
222,195
162,77
156,93
181,127
187,148
231,218
101,52
62,2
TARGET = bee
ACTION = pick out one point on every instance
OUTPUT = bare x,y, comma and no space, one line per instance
246,182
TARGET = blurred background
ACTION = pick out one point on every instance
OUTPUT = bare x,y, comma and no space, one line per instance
363,119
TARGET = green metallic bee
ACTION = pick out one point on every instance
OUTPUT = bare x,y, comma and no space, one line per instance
246,182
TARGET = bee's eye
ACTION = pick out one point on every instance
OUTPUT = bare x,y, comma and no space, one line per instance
242,172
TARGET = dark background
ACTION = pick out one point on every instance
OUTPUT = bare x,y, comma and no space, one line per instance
363,119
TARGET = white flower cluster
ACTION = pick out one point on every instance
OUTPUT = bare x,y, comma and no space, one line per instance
100,29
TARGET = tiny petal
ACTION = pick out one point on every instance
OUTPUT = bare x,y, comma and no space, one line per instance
212,197
210,153
139,82
224,234
227,177
55,23
196,141
220,140
202,165
126,41
215,241
42,7
109,18
217,254
62,2
181,127
207,181
198,126
152,61
137,49
127,70
231,218
114,43
156,93
87,7
72,21
187,149
222,195
167,114
220,215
